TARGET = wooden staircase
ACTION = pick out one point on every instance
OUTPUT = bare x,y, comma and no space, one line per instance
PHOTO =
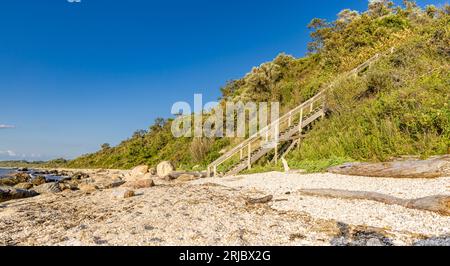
286,129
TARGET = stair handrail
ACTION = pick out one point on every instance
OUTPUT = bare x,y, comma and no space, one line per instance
266,129
294,111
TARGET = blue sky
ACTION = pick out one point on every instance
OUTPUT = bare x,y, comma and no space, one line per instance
75,75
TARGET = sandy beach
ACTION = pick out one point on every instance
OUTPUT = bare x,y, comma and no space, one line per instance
217,211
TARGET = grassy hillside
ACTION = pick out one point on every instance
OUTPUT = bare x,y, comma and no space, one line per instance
400,106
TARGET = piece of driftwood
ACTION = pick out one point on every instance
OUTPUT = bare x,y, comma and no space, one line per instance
439,203
432,168
262,200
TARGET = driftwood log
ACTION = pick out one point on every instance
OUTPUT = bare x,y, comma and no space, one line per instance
432,168
262,200
439,203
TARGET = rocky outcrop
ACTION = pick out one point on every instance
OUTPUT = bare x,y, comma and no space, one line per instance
8,193
15,179
37,181
25,186
164,169
432,168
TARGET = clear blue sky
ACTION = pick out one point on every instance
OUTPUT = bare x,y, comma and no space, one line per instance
73,76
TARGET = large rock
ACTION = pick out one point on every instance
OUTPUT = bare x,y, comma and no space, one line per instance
7,193
164,169
138,173
432,168
143,183
48,188
139,170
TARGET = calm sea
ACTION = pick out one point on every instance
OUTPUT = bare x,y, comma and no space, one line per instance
4,171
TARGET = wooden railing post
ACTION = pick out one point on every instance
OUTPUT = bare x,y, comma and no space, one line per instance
276,153
209,172
300,125
324,107
215,170
249,159
242,154
290,119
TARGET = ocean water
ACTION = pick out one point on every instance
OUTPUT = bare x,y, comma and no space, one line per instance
50,178
4,172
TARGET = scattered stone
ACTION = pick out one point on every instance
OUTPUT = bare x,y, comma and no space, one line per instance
25,186
22,169
128,194
88,188
48,188
79,176
187,178
164,169
152,171
7,193
69,185
107,183
374,242
143,183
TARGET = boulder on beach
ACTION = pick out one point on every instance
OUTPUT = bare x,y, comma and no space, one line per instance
48,188
143,183
164,169
7,193
138,173
139,170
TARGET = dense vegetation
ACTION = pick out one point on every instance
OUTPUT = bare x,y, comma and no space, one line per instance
400,106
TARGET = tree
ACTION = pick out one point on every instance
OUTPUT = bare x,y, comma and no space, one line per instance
139,133
346,16
378,8
105,146
158,124
262,79
231,88
431,11
321,30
